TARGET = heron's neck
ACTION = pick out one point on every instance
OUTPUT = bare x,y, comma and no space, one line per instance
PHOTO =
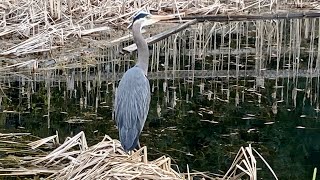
142,46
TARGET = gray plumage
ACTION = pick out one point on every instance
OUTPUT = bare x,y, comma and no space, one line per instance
133,94
132,106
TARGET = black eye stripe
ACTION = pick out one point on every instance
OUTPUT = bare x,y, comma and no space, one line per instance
139,16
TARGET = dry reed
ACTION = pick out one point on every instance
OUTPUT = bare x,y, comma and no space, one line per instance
32,28
107,160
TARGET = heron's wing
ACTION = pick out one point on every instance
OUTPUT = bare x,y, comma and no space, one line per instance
132,106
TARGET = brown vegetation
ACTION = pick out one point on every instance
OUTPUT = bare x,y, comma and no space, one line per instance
40,31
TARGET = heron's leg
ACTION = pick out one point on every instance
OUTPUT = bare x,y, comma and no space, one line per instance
139,147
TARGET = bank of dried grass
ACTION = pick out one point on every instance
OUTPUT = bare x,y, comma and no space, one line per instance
38,31
74,159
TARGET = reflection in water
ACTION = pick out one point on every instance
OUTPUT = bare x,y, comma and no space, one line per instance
215,87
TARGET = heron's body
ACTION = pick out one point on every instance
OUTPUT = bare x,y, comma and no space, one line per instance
133,94
132,106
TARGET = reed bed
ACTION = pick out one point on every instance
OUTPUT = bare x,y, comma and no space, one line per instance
74,159
105,160
43,30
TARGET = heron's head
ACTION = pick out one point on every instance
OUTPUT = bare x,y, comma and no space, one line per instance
143,18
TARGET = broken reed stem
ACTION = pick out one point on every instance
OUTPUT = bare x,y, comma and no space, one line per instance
227,18
163,35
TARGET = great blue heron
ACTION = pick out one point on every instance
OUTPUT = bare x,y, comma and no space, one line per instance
133,94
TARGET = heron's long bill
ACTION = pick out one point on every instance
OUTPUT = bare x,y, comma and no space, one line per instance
152,19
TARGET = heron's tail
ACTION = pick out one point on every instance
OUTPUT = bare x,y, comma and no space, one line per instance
129,138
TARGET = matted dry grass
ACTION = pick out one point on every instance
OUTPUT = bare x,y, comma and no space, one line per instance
107,160
39,26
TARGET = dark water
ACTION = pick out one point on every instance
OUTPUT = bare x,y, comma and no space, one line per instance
201,112
201,132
